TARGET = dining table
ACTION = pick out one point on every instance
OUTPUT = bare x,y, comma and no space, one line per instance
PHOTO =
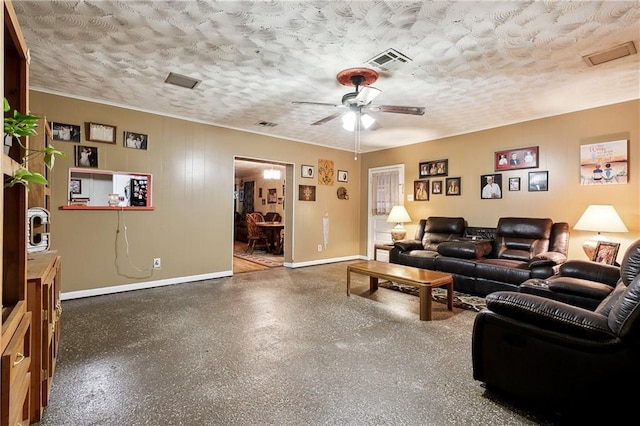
272,230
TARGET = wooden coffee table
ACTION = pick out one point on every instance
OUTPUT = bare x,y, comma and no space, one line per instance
423,279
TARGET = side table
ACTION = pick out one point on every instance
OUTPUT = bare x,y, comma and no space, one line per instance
376,247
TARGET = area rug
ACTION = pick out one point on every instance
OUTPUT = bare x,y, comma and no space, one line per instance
260,260
460,300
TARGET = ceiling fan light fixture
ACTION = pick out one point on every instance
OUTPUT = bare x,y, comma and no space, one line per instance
349,121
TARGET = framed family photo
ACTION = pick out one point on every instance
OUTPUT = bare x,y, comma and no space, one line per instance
135,140
436,186
606,252
65,132
521,158
75,186
491,186
453,186
433,168
86,156
421,190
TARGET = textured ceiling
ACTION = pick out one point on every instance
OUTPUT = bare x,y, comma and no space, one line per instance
475,64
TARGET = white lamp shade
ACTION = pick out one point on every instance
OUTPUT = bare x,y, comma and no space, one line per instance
398,214
600,218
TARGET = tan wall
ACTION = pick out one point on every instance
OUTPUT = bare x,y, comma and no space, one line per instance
559,139
191,227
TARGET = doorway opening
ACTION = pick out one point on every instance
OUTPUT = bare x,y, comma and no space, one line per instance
262,216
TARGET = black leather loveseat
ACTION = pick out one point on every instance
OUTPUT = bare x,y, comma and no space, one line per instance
485,260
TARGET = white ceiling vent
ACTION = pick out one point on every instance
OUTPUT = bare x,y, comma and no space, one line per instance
182,80
388,60
617,52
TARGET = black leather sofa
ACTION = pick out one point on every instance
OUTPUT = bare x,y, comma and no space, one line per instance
485,260
555,354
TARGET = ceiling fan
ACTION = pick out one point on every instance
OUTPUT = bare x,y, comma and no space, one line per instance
355,105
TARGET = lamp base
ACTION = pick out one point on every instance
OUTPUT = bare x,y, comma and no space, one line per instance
398,234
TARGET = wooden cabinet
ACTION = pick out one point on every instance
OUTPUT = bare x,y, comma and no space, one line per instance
15,339
43,302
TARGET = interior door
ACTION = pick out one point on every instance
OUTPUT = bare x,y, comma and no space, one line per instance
386,189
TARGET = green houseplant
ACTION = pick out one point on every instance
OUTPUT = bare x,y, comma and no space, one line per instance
19,125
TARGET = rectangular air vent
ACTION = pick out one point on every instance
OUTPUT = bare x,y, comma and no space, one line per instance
388,60
611,54
182,80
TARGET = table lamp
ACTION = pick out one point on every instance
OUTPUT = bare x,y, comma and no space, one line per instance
599,218
398,215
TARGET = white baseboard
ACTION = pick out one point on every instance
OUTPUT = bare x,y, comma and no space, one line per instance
180,280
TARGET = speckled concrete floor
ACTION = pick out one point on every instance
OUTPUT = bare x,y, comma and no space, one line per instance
278,347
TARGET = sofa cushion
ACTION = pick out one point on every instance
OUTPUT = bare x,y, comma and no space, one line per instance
504,270
521,238
465,249
439,229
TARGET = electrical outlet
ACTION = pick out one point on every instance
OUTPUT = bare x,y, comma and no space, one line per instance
156,263
319,247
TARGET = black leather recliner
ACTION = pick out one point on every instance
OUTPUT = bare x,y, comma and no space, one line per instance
549,352
583,283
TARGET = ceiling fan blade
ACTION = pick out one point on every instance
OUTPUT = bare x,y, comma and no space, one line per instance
328,118
366,95
397,109
315,103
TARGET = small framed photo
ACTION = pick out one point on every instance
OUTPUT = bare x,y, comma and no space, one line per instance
75,186
453,186
421,190
307,171
514,184
491,186
606,252
86,156
101,132
272,196
436,187
521,158
433,168
306,193
135,140
538,181
65,132
343,176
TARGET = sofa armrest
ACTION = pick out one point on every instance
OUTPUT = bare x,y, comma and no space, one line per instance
548,258
550,315
591,271
408,245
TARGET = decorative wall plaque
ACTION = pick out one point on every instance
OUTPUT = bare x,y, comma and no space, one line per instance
325,172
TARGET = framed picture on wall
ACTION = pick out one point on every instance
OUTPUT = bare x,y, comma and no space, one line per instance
491,186
343,176
101,132
521,158
421,190
538,181
514,184
75,186
65,132
306,193
453,186
135,140
307,171
436,186
272,196
433,168
86,156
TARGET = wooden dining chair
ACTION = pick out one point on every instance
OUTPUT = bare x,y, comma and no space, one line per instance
256,237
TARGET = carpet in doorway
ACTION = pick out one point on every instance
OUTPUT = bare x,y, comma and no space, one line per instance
260,260
460,300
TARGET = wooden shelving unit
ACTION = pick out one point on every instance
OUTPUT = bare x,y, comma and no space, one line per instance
15,340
